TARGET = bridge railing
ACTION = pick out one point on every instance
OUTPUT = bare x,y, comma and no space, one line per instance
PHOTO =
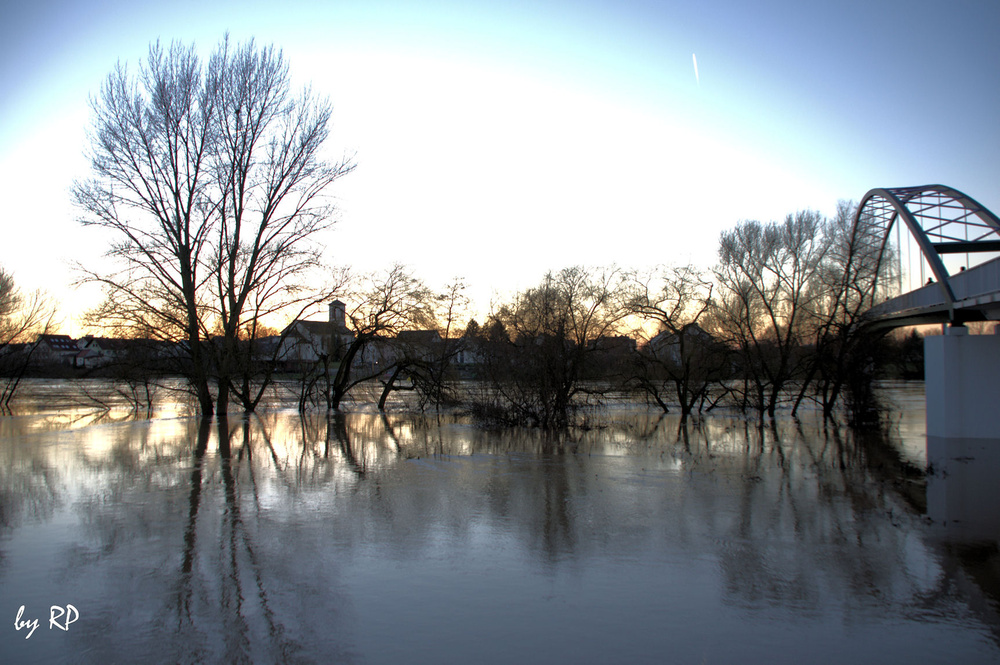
977,295
974,283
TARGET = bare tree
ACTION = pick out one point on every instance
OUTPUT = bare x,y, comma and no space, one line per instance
678,351
273,185
151,152
430,355
381,305
851,279
211,182
23,316
540,346
768,281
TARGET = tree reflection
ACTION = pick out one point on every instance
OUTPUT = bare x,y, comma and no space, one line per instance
236,597
194,502
237,530
555,531
337,430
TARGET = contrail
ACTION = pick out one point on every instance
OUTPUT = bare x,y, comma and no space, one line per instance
694,59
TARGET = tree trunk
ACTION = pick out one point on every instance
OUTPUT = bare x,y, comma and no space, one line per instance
387,388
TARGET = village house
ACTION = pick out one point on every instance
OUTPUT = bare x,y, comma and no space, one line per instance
469,354
55,350
424,345
99,351
666,345
617,345
428,345
304,342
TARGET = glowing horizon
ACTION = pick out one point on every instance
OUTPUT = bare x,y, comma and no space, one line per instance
498,142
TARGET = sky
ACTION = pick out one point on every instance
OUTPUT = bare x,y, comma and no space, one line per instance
497,140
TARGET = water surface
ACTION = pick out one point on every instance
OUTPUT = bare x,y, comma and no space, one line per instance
389,539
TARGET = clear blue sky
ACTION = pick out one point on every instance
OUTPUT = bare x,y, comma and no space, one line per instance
495,140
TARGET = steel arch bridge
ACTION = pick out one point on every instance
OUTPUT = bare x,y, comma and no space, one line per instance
941,220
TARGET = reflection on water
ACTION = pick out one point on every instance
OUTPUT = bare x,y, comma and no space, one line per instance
384,539
963,495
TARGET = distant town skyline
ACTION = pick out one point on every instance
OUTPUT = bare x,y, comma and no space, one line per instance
495,141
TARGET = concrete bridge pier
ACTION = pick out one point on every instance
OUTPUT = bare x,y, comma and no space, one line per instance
962,382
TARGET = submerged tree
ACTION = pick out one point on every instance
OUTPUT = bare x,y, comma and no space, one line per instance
540,347
427,357
767,278
791,300
23,317
212,183
679,352
151,187
272,181
382,304
844,351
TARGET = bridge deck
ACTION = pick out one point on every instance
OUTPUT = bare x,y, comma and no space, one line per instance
977,294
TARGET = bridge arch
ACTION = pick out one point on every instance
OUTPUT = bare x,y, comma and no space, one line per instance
941,219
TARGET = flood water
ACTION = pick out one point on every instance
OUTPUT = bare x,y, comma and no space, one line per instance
363,538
